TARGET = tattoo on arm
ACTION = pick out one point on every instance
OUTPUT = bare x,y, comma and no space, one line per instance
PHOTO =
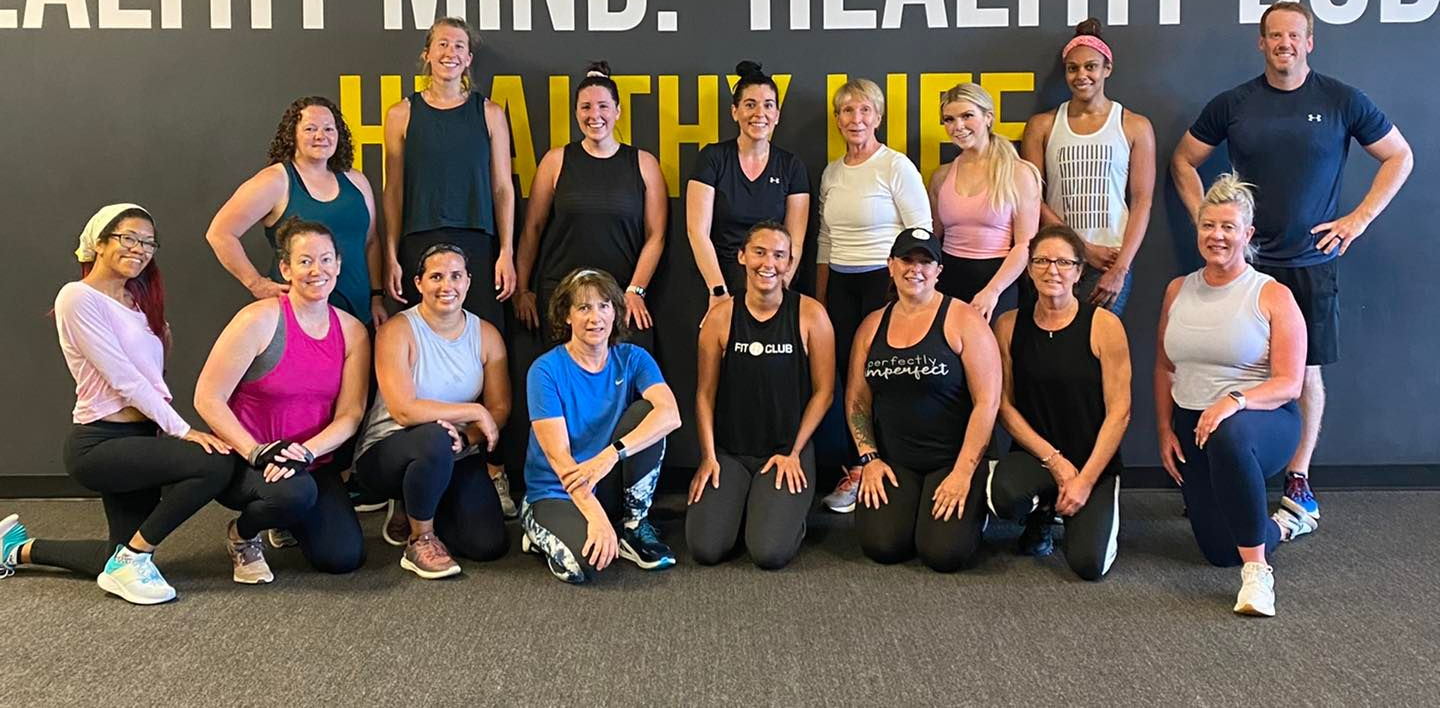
861,428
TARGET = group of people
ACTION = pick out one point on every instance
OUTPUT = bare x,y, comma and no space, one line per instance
917,331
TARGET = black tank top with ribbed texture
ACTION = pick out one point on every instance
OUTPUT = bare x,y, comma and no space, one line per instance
764,382
920,402
447,167
597,219
1058,386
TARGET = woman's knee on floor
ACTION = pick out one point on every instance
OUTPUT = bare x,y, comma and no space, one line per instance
1087,564
887,543
947,554
1011,487
339,558
481,545
772,553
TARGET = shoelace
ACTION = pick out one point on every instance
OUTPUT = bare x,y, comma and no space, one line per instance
1296,488
430,549
646,533
251,551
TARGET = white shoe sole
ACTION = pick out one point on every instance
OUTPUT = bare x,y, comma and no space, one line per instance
109,585
367,508
1254,610
842,509
429,574
629,554
385,529
1294,507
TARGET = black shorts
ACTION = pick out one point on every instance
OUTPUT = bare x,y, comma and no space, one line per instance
1317,291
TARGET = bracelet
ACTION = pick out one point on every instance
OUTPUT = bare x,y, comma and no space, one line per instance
377,292
1046,461
465,437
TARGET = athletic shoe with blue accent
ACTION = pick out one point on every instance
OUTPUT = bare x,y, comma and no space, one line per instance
133,577
642,546
1298,497
1037,540
1293,525
12,537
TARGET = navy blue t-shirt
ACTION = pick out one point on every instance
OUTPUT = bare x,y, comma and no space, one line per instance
741,202
1292,146
591,405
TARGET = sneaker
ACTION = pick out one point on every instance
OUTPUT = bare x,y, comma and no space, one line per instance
12,537
842,500
1298,497
1292,525
507,502
397,525
248,557
363,499
280,538
1036,540
133,577
428,558
1257,591
642,546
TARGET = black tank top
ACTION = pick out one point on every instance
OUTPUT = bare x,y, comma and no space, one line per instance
447,167
598,217
764,382
920,404
1058,386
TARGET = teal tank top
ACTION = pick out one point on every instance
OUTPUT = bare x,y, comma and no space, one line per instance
349,219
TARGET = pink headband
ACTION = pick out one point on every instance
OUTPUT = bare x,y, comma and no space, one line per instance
1091,41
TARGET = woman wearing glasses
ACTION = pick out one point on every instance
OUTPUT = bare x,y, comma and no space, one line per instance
152,470
1066,403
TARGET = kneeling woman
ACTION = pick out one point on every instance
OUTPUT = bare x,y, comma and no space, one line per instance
114,336
594,402
285,385
925,368
444,395
771,356
1066,403
1229,367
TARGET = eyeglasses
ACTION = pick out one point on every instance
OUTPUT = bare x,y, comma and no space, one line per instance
1064,265
131,241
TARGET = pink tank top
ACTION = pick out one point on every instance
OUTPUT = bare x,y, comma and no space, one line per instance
296,399
972,228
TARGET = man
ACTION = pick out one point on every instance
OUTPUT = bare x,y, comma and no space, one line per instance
1288,133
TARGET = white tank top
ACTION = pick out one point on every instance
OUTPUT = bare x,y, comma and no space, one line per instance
1217,338
1086,177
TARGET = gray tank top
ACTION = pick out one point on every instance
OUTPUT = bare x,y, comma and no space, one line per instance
1217,338
448,371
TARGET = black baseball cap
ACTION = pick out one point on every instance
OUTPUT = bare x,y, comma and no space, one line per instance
916,239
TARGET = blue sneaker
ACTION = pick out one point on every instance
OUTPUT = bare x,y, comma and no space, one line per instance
1298,497
12,537
133,577
642,546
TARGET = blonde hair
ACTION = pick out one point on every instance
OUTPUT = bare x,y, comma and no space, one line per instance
1228,188
471,37
1000,152
864,89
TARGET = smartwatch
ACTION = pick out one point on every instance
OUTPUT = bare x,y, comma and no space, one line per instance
376,292
636,289
1239,398
869,457
619,448
719,291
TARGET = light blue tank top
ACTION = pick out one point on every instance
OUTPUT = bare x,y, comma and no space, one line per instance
1217,338
445,370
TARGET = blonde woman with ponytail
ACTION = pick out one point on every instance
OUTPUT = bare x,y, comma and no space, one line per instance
986,203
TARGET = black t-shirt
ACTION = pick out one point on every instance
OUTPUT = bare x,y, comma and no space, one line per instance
741,203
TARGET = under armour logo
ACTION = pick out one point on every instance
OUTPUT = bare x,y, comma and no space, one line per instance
774,180
1314,117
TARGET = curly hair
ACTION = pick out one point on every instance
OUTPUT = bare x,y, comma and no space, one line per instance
282,146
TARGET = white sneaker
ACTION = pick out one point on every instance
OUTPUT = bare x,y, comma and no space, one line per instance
507,502
842,500
133,577
1257,591
1293,525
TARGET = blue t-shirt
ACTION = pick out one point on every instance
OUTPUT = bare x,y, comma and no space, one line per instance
1292,146
591,405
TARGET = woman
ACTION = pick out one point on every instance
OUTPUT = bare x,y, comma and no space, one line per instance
600,204
151,469
444,396
310,176
866,197
285,385
924,369
1228,368
986,203
742,182
1066,403
1098,163
774,384
594,402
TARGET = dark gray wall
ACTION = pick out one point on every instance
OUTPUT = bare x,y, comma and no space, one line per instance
175,119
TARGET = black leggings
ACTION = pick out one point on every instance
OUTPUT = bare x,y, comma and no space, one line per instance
559,530
1224,485
416,465
774,518
311,505
898,530
1021,485
147,483
849,298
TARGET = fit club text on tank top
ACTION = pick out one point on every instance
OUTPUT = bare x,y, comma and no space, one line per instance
1058,384
447,167
348,218
597,219
920,401
764,381
1087,177
1217,338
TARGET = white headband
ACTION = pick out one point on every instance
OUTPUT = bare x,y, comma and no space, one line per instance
91,236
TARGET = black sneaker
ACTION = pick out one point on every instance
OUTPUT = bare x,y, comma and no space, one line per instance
1036,540
643,547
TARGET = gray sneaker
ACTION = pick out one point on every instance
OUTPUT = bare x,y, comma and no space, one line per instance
248,557
507,502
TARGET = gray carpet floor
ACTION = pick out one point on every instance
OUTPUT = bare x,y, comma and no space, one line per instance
1358,625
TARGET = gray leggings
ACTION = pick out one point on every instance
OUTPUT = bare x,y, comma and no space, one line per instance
774,518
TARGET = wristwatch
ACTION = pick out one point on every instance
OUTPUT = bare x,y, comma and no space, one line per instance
619,448
719,291
636,289
869,457
1239,398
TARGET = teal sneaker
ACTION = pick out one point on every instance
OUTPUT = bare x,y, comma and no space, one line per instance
12,537
134,578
